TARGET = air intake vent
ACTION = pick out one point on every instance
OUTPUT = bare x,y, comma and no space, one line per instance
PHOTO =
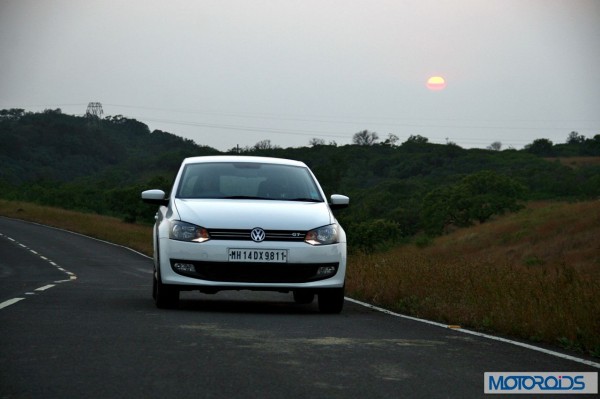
244,235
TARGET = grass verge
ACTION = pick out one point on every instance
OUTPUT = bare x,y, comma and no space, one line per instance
135,236
532,275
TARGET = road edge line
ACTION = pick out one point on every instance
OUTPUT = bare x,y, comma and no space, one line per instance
478,334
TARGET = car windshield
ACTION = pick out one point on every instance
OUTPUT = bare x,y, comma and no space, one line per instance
248,180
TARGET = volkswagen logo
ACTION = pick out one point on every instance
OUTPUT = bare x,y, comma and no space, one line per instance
257,234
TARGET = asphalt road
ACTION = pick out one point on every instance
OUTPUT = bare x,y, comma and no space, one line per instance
77,320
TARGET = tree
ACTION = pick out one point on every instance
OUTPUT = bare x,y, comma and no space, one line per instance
476,198
575,138
417,139
541,147
316,141
488,193
264,145
391,140
495,146
49,111
416,144
365,138
593,145
12,114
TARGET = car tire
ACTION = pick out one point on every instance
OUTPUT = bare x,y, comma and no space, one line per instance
165,296
302,297
331,300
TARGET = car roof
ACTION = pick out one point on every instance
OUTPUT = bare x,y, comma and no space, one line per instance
242,158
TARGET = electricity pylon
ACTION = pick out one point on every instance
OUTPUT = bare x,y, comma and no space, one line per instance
94,113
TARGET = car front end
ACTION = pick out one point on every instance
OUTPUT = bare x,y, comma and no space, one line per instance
248,223
262,252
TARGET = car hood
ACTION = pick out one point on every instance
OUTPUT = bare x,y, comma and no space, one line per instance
247,214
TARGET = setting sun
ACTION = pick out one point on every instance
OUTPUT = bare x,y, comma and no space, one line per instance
436,83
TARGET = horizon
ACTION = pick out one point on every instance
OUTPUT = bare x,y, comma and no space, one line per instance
233,72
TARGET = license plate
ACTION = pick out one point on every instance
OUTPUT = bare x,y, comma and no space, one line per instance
258,255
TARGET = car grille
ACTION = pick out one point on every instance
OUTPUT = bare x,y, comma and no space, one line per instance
244,235
235,272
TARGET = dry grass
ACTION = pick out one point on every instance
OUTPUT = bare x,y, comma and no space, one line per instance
135,236
576,162
533,275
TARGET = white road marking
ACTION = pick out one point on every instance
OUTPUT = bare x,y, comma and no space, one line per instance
44,288
462,330
10,302
40,289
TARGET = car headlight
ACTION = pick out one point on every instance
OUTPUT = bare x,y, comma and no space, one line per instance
323,235
187,232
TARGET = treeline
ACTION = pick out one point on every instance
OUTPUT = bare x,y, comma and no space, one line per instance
423,189
398,191
52,146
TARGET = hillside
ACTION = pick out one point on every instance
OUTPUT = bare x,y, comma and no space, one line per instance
534,275
54,147
397,191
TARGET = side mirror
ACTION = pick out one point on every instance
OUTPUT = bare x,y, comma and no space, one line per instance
339,201
156,197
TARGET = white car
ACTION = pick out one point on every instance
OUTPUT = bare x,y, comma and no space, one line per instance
248,223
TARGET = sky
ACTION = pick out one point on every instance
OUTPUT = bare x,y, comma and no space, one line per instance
229,73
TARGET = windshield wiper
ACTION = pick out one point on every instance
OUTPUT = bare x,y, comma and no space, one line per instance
254,197
302,199
247,197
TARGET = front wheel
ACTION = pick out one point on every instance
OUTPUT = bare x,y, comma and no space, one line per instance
331,300
165,296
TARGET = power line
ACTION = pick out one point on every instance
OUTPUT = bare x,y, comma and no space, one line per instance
378,120
253,128
389,121
326,118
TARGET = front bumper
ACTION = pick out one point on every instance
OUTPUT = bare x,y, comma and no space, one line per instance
254,272
208,265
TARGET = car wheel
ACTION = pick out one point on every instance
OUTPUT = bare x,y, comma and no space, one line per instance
165,296
302,297
331,300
